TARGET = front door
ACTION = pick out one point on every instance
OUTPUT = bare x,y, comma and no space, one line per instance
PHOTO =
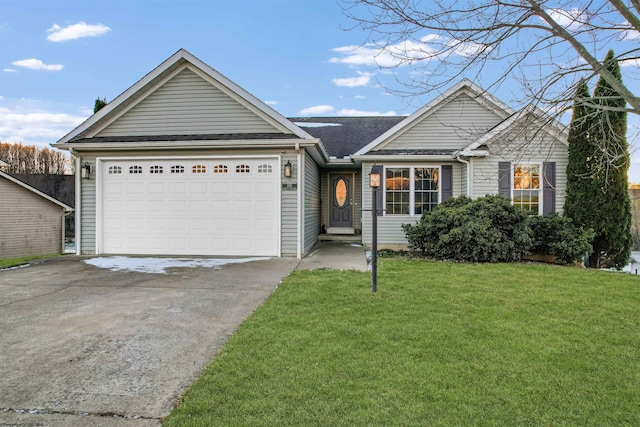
341,208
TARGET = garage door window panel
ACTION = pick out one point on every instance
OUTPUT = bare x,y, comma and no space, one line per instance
199,169
135,169
220,169
177,169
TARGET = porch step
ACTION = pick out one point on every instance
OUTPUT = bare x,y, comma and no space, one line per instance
349,238
341,230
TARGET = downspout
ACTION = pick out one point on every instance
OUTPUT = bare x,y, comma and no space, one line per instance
78,208
299,204
64,230
468,163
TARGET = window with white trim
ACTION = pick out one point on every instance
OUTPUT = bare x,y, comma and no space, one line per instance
115,170
199,169
527,187
156,169
411,190
265,169
243,169
220,169
135,169
177,169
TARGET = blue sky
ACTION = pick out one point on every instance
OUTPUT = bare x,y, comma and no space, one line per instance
57,57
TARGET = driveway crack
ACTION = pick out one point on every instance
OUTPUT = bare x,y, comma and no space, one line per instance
60,289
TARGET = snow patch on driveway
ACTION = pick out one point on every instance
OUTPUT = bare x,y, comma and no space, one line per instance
160,265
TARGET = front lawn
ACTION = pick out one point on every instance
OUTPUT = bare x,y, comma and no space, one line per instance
440,344
13,262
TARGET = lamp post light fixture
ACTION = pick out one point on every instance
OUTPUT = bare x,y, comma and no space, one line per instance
85,171
375,178
287,169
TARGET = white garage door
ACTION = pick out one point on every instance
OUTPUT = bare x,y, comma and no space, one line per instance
227,206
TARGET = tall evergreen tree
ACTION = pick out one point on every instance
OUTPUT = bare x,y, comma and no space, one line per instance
609,168
99,104
580,185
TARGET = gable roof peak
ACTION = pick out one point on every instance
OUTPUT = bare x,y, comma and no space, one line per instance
174,61
479,94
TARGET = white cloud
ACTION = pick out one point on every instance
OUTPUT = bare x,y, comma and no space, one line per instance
630,33
36,64
571,19
403,53
271,102
360,97
467,49
76,31
25,122
316,109
362,80
359,113
8,70
635,62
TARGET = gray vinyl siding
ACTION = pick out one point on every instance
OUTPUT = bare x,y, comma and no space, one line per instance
390,233
30,225
289,218
289,197
312,217
324,193
463,179
541,149
452,126
188,105
88,209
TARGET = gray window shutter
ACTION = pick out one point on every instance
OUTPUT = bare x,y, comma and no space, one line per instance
504,179
447,182
549,188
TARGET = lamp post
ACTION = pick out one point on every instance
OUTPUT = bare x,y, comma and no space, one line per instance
375,178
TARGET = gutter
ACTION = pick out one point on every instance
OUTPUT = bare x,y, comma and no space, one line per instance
299,204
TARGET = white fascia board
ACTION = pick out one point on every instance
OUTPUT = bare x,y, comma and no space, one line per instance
476,91
158,71
66,207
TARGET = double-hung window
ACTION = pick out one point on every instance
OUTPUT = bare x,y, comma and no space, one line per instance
527,188
411,190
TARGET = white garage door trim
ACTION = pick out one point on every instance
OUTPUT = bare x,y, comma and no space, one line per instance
271,224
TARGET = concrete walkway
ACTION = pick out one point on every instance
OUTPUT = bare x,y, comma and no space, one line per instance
335,256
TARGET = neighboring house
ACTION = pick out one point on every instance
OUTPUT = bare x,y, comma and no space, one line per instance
186,162
31,223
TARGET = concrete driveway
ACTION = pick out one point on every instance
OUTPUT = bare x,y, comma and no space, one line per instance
82,345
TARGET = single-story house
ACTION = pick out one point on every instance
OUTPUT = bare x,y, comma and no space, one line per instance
186,162
31,222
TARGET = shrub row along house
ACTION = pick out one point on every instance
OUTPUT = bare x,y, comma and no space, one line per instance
186,162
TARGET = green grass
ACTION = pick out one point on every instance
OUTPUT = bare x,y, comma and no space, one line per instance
13,262
440,344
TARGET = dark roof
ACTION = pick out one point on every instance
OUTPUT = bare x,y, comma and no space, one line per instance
209,137
343,136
